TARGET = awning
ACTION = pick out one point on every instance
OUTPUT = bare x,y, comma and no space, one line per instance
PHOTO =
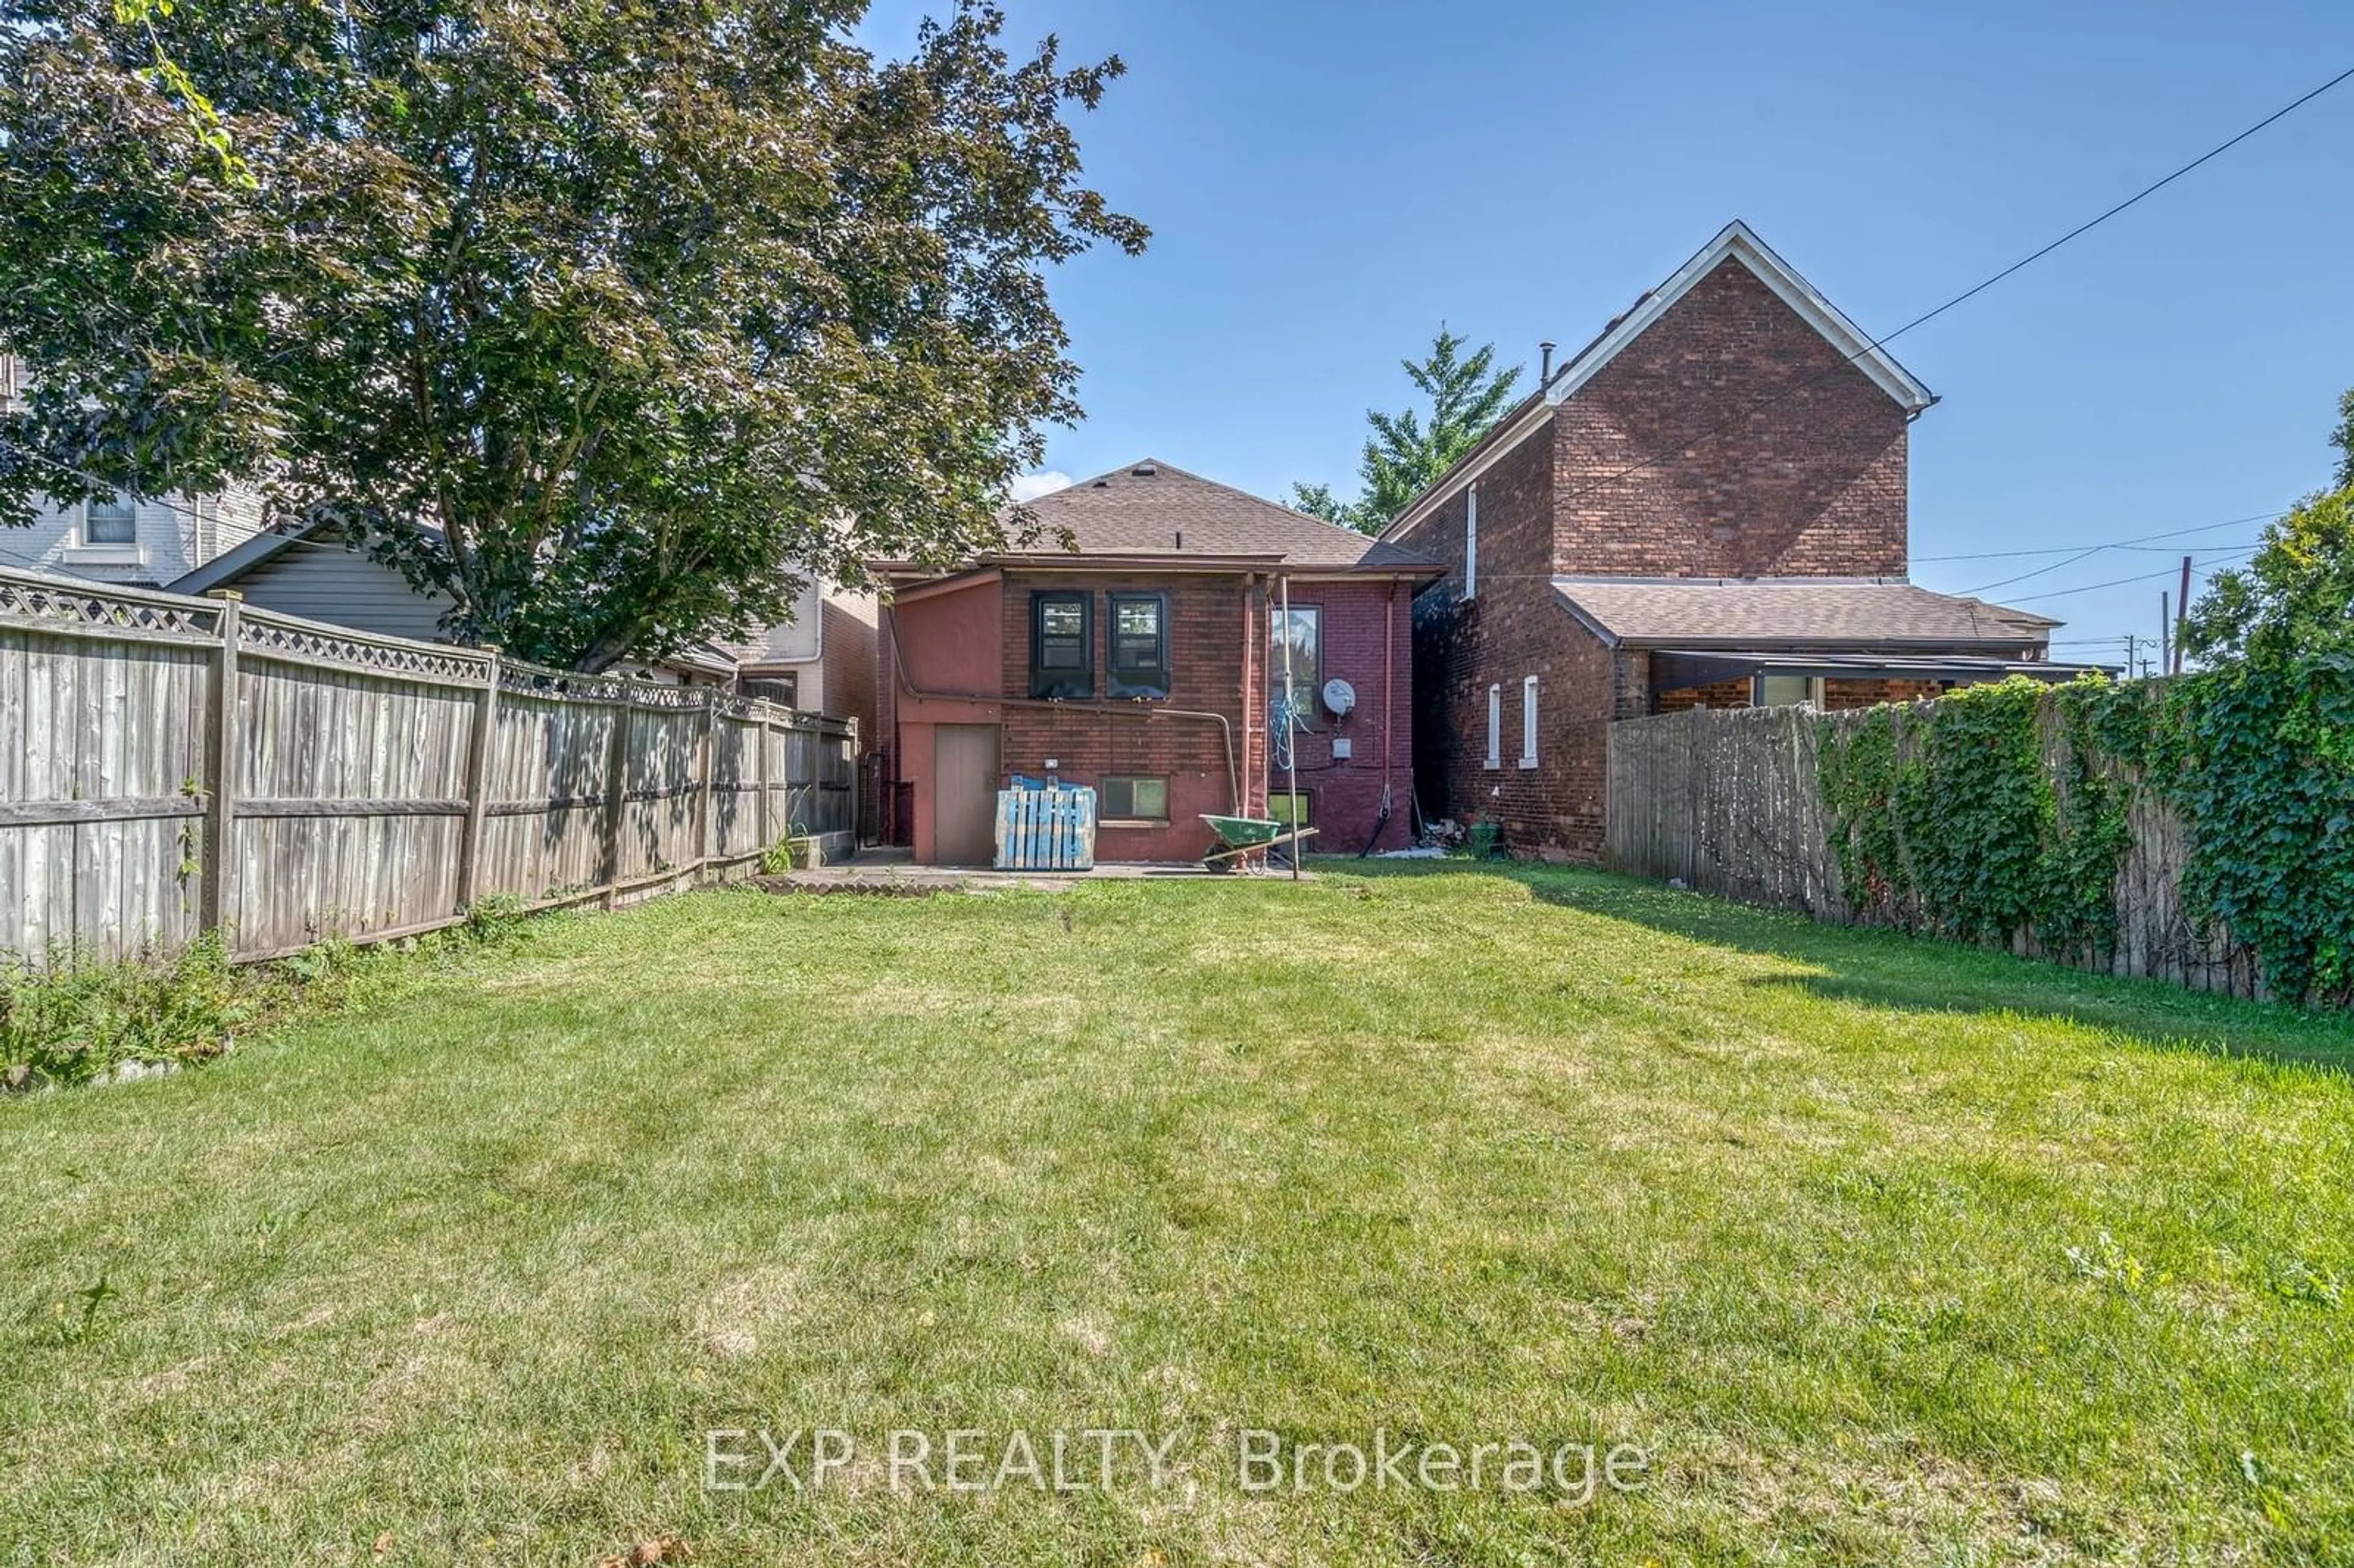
1675,668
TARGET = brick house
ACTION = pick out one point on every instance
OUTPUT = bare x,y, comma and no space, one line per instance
1705,506
1135,645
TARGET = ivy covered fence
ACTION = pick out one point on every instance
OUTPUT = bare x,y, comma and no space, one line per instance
2196,831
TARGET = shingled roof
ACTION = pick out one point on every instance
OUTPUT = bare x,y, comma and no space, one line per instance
1150,509
1783,612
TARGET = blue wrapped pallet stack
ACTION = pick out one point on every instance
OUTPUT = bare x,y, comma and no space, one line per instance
1046,827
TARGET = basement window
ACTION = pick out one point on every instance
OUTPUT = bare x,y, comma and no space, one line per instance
1292,807
1062,645
1132,801
1140,645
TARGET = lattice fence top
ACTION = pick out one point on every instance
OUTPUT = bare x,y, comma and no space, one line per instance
315,644
33,600
524,679
36,599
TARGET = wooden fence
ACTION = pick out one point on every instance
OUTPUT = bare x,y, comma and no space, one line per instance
174,765
1726,801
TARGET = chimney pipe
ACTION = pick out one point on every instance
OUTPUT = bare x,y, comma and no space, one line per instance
1545,373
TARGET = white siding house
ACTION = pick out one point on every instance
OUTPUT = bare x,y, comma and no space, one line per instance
142,540
311,573
822,661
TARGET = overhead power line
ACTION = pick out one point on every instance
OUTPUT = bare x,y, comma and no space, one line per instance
2040,571
1971,292
2088,555
2136,541
2120,582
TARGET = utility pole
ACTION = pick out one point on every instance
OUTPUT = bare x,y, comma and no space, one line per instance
2165,633
2181,615
2129,655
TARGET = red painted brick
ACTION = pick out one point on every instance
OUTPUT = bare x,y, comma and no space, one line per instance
1218,655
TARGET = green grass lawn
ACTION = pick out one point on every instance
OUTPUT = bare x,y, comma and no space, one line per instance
1882,1251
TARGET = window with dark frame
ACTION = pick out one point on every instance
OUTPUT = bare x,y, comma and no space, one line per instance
1298,648
1777,690
1132,797
785,687
1062,644
1140,645
1292,807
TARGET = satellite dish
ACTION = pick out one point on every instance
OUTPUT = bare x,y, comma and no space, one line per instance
1340,696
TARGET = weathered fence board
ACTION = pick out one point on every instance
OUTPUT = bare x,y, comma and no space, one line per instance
1727,801
171,763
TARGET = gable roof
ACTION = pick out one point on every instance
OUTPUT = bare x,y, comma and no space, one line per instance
230,564
1737,242
1151,510
1756,612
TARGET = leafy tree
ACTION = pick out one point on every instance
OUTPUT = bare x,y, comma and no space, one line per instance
2296,596
615,323
1317,500
1407,450
169,76
2293,598
2257,747
2343,439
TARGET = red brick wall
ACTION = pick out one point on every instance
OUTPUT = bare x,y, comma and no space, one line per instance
1368,642
1720,695
1839,695
944,643
1515,628
1208,660
1219,630
849,664
1812,484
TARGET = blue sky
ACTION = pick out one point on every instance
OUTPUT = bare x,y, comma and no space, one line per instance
1327,183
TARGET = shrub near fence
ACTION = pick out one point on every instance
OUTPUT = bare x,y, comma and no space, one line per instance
2086,867
176,764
